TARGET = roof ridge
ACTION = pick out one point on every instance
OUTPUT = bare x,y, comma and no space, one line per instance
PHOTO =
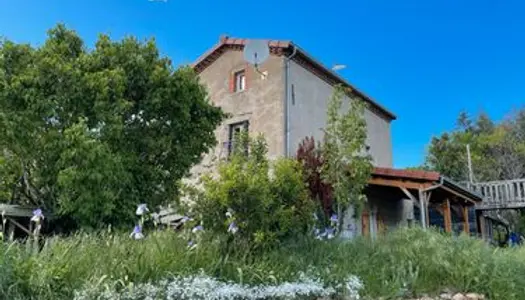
225,40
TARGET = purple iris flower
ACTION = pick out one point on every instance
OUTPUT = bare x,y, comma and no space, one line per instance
137,233
37,215
197,228
191,245
334,218
330,233
233,228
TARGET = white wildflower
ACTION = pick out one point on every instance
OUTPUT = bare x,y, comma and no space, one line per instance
205,287
353,285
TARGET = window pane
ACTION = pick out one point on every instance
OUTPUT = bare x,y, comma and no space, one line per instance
235,130
240,81
243,79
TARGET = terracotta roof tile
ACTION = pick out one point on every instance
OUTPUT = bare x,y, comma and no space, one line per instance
407,174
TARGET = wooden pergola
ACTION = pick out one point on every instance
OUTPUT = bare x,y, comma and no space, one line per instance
429,189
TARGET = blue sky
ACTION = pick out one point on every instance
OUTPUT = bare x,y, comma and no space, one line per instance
424,60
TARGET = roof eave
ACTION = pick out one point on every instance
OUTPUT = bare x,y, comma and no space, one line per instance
460,189
345,82
288,45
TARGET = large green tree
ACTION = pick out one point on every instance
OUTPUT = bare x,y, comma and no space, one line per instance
347,165
89,133
497,148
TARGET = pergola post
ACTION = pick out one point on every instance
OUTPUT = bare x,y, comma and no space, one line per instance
428,194
423,209
482,227
466,224
447,216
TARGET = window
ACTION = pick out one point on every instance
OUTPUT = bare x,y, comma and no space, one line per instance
235,130
239,81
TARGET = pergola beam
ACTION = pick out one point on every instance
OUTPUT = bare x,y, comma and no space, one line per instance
410,196
458,195
398,183
20,226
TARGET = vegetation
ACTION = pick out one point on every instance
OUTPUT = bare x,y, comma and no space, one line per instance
338,170
497,149
404,262
497,153
263,203
311,159
88,134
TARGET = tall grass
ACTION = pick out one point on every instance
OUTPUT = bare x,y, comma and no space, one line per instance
406,261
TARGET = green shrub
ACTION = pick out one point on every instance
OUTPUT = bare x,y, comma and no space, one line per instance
256,202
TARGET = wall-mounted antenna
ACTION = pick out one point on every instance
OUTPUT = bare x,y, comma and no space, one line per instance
256,52
338,67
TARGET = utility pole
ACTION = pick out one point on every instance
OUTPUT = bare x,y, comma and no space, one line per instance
469,161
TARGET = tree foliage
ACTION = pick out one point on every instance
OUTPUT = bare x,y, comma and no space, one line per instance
497,149
267,201
311,158
91,133
343,163
497,152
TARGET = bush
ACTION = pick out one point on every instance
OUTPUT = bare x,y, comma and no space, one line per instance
312,161
255,202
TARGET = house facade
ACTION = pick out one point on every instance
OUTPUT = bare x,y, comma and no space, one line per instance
286,100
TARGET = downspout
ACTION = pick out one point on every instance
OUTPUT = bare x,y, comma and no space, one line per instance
286,102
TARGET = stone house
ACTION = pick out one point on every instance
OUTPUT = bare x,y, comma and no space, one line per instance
286,100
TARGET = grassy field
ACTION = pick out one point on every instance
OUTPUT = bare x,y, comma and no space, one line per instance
405,262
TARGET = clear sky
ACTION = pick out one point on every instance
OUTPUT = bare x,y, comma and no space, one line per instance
424,60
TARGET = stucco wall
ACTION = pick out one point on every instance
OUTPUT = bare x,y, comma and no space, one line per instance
392,212
307,115
261,103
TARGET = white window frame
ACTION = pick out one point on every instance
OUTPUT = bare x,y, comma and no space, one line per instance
235,128
239,83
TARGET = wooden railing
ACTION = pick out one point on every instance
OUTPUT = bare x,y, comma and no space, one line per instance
500,194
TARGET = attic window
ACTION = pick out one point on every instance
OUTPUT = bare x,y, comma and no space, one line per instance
239,81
